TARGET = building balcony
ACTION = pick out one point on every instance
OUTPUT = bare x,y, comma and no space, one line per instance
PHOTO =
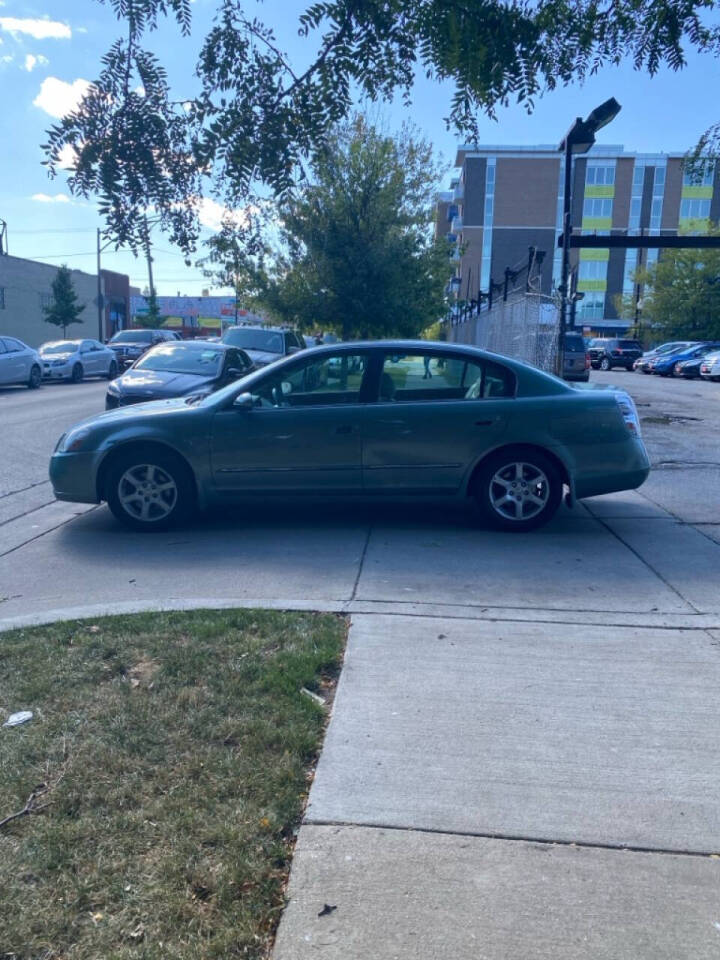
456,224
459,191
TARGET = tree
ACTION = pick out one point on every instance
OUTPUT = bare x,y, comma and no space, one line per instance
682,293
63,309
153,318
358,251
257,121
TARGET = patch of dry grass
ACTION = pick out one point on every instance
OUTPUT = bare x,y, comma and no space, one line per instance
175,752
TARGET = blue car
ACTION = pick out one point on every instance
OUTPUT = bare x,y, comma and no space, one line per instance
664,365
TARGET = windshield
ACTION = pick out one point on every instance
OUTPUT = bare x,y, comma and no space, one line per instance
180,358
133,336
250,339
63,346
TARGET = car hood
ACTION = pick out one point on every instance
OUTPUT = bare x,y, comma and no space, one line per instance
159,383
262,357
48,357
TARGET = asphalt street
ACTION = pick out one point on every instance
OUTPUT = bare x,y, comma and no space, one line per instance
522,759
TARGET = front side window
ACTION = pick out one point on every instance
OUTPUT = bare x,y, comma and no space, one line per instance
426,376
324,381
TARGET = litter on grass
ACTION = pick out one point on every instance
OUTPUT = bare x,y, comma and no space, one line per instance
15,719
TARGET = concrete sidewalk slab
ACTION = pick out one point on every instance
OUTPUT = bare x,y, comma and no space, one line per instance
684,558
628,504
465,565
402,895
690,491
544,731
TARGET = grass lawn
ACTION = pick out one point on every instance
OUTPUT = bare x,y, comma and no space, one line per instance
170,755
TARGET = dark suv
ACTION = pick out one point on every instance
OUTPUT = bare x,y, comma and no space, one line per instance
607,353
131,344
264,344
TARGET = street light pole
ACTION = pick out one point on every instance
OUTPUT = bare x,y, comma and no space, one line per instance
579,138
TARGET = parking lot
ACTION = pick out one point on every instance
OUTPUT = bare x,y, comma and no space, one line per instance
655,552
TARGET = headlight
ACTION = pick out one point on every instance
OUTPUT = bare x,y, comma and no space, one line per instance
74,440
113,388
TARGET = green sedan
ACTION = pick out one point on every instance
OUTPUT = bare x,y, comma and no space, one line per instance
395,419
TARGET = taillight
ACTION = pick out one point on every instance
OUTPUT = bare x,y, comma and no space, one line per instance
616,353
629,413
587,361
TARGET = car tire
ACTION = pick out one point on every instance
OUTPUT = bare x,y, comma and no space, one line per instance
112,370
512,508
35,378
150,489
77,373
605,364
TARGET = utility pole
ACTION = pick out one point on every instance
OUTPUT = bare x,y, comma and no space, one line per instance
100,303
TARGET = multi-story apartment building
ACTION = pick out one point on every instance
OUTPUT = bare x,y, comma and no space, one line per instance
507,199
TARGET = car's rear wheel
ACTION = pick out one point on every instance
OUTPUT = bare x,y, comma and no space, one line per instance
519,490
77,373
150,490
35,378
112,370
605,364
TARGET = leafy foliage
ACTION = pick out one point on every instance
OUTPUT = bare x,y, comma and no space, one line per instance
682,293
359,257
257,121
64,308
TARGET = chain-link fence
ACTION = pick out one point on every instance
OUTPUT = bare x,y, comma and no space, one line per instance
524,327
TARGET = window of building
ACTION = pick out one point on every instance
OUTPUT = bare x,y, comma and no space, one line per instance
2,298
592,270
693,208
700,178
638,178
600,174
592,306
597,207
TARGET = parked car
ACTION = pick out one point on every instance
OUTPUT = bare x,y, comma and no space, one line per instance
710,367
190,368
76,359
19,364
608,352
497,431
641,365
576,359
131,344
664,364
689,369
264,344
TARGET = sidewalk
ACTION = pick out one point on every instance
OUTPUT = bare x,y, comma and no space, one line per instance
514,791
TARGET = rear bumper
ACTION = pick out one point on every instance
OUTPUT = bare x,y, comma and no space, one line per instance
628,472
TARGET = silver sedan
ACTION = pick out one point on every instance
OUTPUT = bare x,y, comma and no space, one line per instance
76,359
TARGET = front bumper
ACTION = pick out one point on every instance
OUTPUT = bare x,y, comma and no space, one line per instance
73,476
63,372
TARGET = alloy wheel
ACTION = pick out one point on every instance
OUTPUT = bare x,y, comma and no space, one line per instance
147,493
519,491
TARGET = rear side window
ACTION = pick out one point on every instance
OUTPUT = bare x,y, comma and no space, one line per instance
13,346
421,377
629,345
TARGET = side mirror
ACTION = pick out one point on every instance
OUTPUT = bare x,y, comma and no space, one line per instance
233,373
244,401
294,349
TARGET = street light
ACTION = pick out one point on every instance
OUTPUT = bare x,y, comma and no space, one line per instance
579,138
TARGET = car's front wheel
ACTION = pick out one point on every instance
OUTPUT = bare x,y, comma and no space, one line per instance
77,373
150,490
112,370
519,490
605,364
35,378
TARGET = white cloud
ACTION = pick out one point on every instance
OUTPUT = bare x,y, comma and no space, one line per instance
41,29
59,98
32,61
68,158
46,198
212,214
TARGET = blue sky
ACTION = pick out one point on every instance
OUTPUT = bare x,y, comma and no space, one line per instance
50,48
